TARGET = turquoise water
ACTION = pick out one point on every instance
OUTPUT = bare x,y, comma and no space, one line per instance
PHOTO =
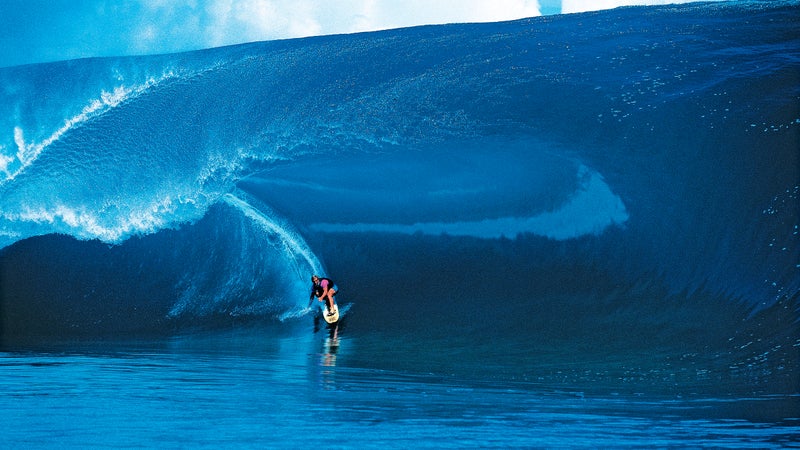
577,230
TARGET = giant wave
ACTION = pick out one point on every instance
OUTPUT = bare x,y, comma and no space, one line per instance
641,182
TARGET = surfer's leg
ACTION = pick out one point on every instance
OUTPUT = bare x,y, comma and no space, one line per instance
329,301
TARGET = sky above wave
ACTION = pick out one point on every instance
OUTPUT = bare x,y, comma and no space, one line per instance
51,30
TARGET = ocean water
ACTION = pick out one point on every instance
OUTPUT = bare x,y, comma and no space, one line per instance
578,230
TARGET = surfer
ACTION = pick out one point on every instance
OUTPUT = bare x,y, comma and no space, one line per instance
324,289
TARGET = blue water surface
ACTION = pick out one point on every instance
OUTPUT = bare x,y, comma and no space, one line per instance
239,389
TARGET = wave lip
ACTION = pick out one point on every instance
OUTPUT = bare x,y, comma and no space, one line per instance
259,263
239,262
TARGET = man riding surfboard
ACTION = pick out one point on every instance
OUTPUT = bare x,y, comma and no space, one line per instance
324,289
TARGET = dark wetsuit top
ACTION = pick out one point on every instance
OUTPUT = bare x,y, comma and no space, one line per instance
319,289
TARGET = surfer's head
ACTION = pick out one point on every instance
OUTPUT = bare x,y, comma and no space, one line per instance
314,278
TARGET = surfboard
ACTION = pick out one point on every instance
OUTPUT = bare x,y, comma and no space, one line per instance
332,318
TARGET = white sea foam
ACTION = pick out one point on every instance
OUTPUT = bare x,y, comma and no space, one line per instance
84,223
267,234
4,161
292,242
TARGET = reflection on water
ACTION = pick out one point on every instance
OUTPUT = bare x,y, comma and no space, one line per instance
260,388
327,358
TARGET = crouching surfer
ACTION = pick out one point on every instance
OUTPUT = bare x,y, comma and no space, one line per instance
324,289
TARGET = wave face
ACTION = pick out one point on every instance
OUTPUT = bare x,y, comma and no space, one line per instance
634,166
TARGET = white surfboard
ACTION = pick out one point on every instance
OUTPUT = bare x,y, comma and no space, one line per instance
332,318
